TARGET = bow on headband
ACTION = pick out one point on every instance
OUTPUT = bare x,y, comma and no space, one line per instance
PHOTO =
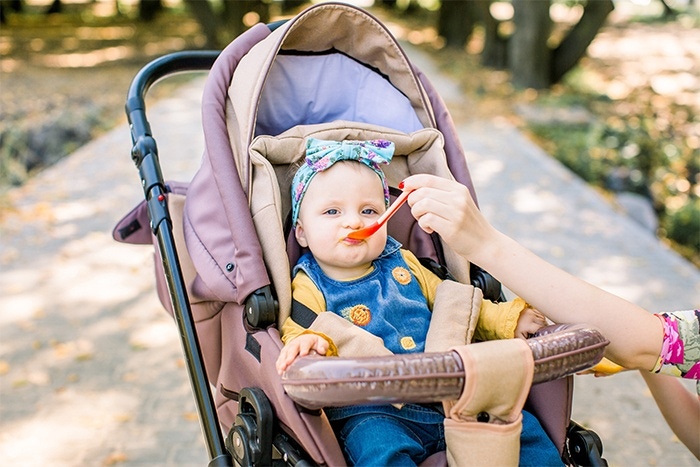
321,155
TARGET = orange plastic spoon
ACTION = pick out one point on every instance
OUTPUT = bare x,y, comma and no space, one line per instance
372,228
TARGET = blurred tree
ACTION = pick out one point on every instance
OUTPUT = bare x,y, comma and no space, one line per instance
55,7
525,52
572,48
148,9
288,6
14,5
668,11
456,21
221,28
203,13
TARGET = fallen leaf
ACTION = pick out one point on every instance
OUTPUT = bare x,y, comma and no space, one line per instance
115,458
123,417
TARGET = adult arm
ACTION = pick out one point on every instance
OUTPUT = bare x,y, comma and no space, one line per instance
446,207
680,408
504,320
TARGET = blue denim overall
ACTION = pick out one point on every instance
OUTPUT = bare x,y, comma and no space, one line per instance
388,302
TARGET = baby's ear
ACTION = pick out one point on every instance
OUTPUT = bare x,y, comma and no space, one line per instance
300,236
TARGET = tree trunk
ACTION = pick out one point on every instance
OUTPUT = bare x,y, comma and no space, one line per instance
291,6
668,11
235,10
456,22
148,9
204,14
14,5
574,45
528,53
495,52
55,7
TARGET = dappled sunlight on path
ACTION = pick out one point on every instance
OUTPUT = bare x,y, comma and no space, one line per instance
87,354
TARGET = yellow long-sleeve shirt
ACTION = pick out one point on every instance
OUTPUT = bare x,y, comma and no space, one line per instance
496,320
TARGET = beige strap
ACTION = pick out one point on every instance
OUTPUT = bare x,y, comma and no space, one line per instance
482,444
455,314
498,376
483,426
351,340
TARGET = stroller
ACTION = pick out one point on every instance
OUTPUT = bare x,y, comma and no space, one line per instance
225,245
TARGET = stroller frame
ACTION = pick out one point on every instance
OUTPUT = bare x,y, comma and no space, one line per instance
252,437
144,154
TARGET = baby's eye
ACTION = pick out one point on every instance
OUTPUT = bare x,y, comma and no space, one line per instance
331,212
369,211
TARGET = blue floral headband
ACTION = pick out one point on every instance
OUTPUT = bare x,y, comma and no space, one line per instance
321,155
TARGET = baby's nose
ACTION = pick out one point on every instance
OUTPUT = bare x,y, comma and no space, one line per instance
353,221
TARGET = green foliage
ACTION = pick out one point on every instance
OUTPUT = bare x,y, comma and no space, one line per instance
27,146
683,225
648,151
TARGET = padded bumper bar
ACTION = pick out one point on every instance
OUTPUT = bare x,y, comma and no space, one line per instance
316,382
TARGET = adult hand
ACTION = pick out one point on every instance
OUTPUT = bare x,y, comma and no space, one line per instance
446,207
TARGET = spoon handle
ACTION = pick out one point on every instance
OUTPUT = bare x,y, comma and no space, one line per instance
393,208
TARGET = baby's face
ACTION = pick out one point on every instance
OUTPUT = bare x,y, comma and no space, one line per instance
346,197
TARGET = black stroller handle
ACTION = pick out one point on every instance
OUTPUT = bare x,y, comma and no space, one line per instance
144,153
317,382
165,66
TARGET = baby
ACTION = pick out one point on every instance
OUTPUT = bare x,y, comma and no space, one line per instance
382,288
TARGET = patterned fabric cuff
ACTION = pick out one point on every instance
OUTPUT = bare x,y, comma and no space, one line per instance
680,351
510,318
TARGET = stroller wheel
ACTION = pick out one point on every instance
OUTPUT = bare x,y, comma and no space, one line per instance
584,446
250,439
238,440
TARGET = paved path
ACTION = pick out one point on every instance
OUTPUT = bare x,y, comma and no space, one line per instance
91,371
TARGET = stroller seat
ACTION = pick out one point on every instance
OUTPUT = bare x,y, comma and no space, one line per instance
332,72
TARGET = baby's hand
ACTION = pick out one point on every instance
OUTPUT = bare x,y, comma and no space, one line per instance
529,322
299,347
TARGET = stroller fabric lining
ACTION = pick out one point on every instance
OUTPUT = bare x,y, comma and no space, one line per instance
326,87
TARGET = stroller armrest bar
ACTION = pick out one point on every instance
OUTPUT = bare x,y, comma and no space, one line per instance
562,350
317,382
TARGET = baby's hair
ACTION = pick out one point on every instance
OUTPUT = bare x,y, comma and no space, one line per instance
293,168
